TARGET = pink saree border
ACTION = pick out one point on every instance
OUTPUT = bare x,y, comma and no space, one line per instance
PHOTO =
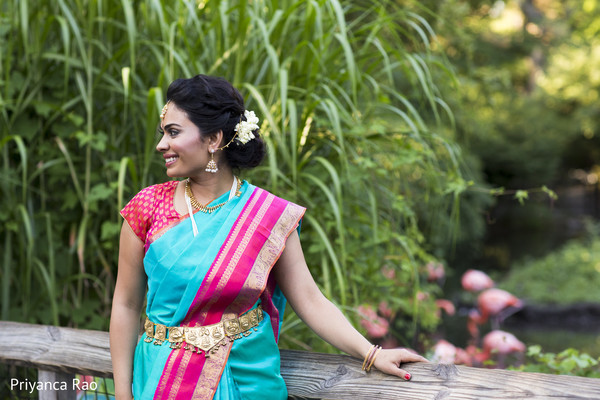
244,262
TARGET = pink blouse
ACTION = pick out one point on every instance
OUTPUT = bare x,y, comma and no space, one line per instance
151,210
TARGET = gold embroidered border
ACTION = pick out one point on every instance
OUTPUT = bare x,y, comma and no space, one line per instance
179,372
211,373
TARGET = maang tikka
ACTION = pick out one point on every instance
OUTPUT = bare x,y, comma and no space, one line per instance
212,164
163,113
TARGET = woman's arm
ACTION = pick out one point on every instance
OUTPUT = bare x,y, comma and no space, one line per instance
323,317
128,301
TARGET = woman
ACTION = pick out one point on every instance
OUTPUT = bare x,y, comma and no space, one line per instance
219,258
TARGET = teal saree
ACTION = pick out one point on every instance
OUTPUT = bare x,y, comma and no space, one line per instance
219,274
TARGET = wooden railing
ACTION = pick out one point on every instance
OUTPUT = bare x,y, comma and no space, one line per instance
60,353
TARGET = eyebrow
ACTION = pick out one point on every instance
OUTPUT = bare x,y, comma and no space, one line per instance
170,125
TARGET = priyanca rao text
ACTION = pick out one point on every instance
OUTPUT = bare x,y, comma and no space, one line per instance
30,386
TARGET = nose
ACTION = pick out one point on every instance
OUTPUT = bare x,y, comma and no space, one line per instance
163,144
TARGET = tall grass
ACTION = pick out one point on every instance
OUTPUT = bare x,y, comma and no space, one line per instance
351,115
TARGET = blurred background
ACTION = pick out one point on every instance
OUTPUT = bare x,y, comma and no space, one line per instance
425,138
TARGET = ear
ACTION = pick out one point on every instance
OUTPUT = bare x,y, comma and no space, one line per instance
215,140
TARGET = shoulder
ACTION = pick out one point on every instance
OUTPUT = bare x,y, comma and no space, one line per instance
159,188
154,191
163,189
146,198
139,211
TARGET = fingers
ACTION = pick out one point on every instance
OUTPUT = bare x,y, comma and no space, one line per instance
404,355
399,372
392,368
414,358
404,374
389,362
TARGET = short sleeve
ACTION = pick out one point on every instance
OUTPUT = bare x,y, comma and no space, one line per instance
139,211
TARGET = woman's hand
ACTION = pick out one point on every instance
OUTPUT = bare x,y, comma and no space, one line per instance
390,360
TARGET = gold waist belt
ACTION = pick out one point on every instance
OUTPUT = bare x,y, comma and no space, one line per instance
204,338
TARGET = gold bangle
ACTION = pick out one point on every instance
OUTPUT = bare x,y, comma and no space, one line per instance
368,356
373,359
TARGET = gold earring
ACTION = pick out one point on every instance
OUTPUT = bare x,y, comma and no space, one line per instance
212,164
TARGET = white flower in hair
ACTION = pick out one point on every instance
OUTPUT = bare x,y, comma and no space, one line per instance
244,129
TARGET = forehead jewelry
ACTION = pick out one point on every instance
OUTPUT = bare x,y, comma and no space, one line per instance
163,113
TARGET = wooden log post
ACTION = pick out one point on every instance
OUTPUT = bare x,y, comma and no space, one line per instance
307,375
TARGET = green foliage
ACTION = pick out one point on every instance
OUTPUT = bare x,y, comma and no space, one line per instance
354,119
524,98
527,85
567,362
568,275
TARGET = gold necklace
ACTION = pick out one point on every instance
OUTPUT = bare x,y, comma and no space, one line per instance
208,210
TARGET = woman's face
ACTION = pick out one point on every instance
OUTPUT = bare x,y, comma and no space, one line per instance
185,152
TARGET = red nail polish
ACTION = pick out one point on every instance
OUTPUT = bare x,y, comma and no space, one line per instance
407,377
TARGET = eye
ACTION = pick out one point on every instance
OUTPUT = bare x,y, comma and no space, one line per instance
173,132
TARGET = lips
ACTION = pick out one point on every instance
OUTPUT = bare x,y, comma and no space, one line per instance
170,160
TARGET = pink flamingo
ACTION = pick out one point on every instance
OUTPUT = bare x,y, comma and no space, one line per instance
446,305
463,357
500,343
474,281
496,304
444,352
473,321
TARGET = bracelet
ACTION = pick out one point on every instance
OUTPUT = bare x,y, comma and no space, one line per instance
370,357
373,359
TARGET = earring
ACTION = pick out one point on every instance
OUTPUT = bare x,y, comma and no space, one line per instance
212,164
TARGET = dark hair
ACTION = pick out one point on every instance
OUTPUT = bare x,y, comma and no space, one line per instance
213,104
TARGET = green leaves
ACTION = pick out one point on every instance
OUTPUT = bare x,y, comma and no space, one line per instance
521,196
567,275
551,193
567,362
348,98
